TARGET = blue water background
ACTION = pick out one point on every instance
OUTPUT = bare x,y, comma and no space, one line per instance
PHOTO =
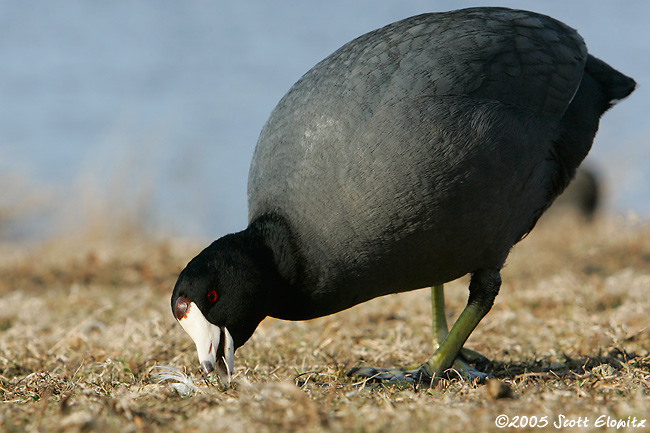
157,105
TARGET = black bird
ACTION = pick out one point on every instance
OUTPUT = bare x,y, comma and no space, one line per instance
413,155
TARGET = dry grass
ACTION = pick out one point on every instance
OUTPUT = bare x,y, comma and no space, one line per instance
83,321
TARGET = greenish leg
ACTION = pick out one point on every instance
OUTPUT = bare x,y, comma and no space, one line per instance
483,289
439,328
440,331
450,348
449,352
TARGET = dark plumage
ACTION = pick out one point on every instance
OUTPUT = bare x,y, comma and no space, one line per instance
413,155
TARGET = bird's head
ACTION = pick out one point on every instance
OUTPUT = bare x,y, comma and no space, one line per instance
219,300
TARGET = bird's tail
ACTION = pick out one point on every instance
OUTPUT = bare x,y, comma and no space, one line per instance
615,84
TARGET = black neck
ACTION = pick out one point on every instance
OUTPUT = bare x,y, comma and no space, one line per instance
286,295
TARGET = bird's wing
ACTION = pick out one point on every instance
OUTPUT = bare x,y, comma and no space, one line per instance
516,57
528,59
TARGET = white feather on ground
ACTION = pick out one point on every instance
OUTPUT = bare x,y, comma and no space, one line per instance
182,383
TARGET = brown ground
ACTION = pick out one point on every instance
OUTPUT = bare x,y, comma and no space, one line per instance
82,321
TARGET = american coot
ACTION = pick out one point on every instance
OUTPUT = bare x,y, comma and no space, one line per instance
411,156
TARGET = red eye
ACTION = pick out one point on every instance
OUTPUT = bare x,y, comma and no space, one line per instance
212,296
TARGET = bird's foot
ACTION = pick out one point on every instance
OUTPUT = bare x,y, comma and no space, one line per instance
429,372
472,357
388,376
463,369
467,365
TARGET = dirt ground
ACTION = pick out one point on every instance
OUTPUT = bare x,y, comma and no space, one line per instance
83,321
